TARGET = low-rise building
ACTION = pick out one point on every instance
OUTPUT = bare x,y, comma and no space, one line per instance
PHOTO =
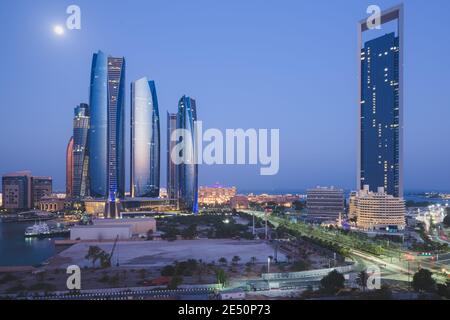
110,229
139,226
101,232
239,202
95,207
52,204
285,200
215,195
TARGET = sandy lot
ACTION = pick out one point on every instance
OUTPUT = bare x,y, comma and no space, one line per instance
161,253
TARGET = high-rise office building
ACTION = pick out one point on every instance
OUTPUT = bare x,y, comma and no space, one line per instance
145,139
106,136
325,203
80,154
187,171
380,156
69,168
16,190
172,192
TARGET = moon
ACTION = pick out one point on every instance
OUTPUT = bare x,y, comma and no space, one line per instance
58,30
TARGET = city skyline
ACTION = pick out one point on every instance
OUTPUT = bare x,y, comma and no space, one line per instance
334,149
287,150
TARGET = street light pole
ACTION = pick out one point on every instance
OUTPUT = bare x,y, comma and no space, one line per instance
253,224
265,215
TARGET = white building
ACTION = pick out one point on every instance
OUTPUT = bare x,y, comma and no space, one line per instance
110,229
139,226
378,211
101,232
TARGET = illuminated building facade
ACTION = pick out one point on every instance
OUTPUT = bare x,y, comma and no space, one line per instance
380,156
187,171
215,195
265,199
239,202
80,155
379,211
145,139
106,138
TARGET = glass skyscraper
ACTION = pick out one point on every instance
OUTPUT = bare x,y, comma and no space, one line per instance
187,171
172,192
106,136
145,139
80,155
381,104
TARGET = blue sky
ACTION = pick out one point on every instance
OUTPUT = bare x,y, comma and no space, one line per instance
249,64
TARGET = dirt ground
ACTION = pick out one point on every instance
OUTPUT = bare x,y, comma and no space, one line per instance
140,254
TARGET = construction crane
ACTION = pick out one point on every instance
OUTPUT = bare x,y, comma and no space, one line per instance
112,251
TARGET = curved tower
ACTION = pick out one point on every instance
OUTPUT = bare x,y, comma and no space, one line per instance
98,131
188,170
106,138
145,139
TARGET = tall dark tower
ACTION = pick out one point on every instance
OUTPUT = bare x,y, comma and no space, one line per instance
172,192
380,147
187,172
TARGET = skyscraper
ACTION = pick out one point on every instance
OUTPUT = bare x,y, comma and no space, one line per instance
187,171
107,127
145,139
80,154
172,192
380,156
69,168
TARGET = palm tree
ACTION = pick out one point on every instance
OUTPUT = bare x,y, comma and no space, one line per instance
223,261
93,254
361,279
222,277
